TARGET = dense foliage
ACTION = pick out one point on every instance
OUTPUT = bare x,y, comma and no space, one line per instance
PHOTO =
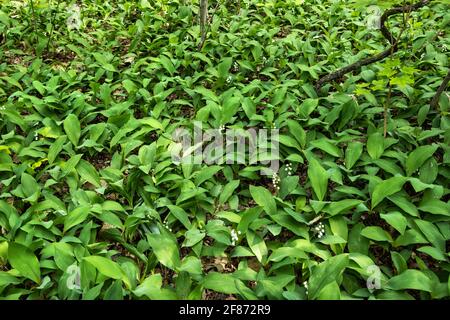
93,207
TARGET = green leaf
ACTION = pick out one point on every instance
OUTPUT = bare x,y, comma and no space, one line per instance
165,248
307,107
224,67
76,217
330,292
433,252
342,206
220,282
264,199
4,18
352,153
107,267
39,87
55,149
387,188
418,157
70,165
193,237
151,288
297,131
257,245
181,215
228,191
396,220
72,128
88,173
206,173
435,206
24,260
411,279
376,233
191,265
431,232
155,124
318,177
375,145
167,64
404,204
327,146
29,185
325,273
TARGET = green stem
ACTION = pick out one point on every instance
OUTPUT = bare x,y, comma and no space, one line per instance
53,25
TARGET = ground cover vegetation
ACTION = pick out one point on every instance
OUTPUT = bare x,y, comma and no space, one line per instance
92,205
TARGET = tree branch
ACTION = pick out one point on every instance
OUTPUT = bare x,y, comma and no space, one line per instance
380,56
442,87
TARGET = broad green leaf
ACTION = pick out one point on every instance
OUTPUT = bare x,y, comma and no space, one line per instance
433,252
165,248
75,217
431,232
411,279
107,267
181,215
307,107
264,198
55,149
376,233
325,273
404,204
29,185
375,145
387,188
396,220
88,173
23,260
220,282
167,64
206,173
228,191
72,128
435,206
353,153
257,245
151,288
39,87
318,177
191,265
418,157
342,206
327,146
297,131
224,66
330,292
193,237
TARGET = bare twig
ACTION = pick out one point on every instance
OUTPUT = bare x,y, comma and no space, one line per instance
380,56
53,25
442,87
203,15
315,219
203,20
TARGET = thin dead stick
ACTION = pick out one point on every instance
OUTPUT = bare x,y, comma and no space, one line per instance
205,28
442,87
315,219
380,56
203,21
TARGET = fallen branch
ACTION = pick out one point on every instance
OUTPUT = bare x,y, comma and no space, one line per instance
442,87
380,56
393,11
